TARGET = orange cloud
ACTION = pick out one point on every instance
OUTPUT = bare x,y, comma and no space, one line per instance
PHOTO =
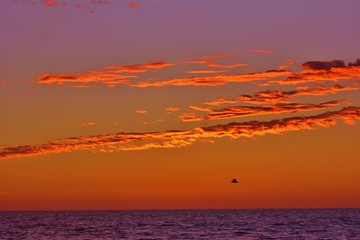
171,139
141,111
206,71
110,77
332,74
277,96
89,123
140,67
133,5
172,109
215,80
288,63
107,78
212,61
245,111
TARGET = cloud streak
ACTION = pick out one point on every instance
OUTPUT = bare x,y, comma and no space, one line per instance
278,96
246,111
216,80
314,71
110,76
172,139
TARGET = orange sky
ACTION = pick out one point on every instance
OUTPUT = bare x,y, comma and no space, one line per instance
106,105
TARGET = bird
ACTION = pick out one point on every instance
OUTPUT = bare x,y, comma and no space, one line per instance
234,180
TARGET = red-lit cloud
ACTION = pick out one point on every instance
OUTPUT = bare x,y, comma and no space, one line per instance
278,96
172,109
138,68
89,124
111,76
330,71
133,5
206,71
316,71
216,80
140,111
261,51
245,111
53,3
171,139
212,61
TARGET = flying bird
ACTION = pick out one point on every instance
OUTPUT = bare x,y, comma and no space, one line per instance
234,180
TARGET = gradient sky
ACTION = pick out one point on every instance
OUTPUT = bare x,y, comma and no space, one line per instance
111,104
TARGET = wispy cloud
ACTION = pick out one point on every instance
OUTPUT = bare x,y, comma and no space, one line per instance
110,76
321,71
245,111
261,51
171,109
171,139
89,124
213,61
216,80
141,111
278,96
314,71
206,71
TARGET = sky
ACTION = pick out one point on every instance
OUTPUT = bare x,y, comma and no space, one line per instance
114,104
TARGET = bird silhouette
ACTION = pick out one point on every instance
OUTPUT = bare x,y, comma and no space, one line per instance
234,180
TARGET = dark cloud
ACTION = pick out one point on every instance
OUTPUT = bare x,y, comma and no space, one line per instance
356,63
323,65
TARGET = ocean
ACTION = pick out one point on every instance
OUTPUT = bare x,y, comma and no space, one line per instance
182,224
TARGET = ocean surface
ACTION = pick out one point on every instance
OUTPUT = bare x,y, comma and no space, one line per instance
182,224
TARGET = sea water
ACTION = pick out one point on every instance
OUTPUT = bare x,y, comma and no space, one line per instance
182,224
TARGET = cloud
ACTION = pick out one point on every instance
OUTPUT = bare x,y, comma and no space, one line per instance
206,71
115,75
111,76
214,80
140,67
334,74
277,96
171,139
133,5
202,109
356,63
245,111
92,77
212,61
323,65
140,111
288,63
89,123
53,3
172,109
221,101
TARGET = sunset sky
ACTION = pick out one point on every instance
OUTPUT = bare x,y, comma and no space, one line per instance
112,104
